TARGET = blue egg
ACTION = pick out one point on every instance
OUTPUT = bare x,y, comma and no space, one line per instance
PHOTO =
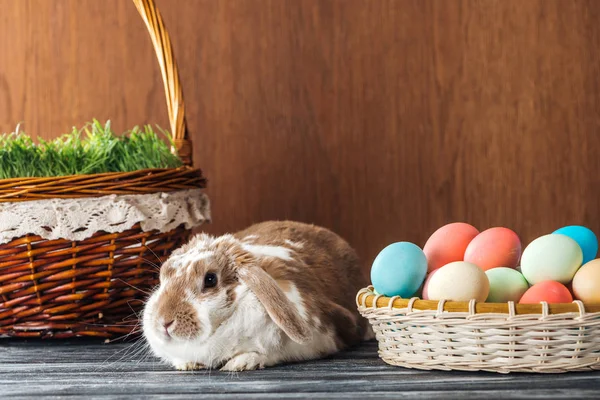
399,269
585,238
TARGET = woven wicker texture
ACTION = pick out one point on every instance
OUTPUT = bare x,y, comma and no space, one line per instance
504,342
96,286
76,186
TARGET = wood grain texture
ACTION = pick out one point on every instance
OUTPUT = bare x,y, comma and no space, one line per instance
85,369
380,119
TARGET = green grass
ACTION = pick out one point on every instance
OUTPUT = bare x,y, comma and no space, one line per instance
93,149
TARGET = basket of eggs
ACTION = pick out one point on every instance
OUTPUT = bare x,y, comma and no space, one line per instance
478,301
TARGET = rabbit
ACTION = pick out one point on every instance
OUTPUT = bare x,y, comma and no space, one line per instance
276,292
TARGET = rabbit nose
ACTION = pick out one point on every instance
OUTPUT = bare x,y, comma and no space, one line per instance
167,325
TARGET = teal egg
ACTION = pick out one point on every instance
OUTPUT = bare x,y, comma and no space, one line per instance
585,238
399,270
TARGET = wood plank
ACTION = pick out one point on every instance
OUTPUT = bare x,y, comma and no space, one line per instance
82,368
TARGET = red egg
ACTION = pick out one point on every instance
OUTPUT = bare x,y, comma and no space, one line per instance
494,247
448,244
548,291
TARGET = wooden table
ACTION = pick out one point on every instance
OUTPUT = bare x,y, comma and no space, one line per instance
91,369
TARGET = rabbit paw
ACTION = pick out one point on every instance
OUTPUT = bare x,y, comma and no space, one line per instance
189,366
245,362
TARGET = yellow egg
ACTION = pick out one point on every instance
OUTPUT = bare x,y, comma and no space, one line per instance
459,281
586,283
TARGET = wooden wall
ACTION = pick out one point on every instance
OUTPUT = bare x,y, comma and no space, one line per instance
380,119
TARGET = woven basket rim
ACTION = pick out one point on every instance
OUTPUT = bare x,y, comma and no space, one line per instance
366,296
43,179
142,181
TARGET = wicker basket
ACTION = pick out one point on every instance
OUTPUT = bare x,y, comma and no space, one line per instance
96,286
496,337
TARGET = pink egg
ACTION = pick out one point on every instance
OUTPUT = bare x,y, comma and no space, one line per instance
448,244
548,291
494,247
425,291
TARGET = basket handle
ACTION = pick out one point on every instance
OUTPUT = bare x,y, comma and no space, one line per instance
168,68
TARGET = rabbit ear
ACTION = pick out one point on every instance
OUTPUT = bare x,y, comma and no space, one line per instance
281,310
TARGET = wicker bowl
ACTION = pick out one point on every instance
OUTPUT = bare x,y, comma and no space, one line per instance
496,337
95,287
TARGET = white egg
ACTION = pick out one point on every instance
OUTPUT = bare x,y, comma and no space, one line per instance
552,257
459,281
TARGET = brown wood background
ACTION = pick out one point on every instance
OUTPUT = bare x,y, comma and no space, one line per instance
379,119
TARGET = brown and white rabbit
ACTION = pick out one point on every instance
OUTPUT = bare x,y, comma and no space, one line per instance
273,293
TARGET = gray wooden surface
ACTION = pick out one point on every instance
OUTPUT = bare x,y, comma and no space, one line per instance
91,369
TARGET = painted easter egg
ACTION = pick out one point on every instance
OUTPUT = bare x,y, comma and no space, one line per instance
399,270
552,257
506,284
586,283
458,281
585,238
425,291
419,291
548,291
448,244
493,248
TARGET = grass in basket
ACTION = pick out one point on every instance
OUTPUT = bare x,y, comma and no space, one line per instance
93,149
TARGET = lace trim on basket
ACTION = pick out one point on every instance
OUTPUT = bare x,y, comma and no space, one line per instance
79,219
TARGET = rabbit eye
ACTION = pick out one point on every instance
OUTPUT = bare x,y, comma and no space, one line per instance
210,280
